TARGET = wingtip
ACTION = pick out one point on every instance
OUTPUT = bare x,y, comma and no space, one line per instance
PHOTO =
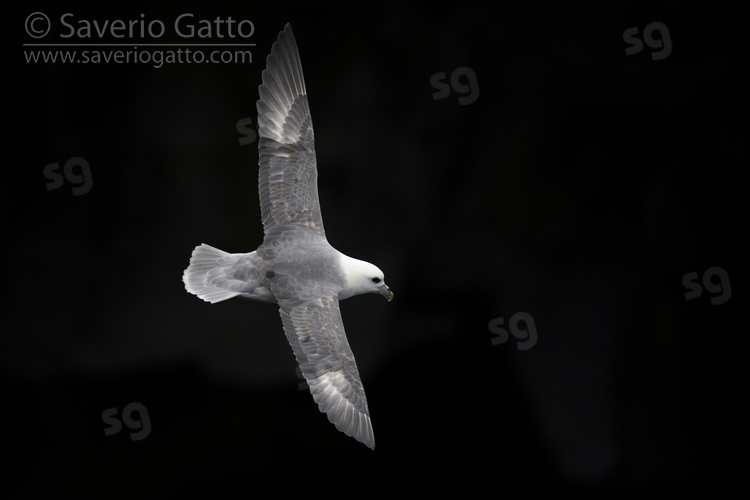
370,442
345,409
284,33
364,434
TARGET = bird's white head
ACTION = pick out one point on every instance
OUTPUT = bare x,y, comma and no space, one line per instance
362,277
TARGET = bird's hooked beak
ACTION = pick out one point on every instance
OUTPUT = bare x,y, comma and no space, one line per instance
385,292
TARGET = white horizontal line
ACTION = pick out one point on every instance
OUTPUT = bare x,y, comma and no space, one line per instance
139,45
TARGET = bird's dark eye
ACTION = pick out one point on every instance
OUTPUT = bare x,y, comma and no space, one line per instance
376,280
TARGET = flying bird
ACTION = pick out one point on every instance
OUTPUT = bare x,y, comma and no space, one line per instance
295,266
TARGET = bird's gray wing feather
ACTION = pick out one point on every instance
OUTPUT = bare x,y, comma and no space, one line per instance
288,178
315,330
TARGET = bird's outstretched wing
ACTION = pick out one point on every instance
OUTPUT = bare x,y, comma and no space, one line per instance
315,331
288,180
314,328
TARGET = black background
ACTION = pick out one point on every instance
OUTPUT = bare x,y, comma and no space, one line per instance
580,187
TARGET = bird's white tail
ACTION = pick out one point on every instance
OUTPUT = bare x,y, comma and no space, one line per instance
210,274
